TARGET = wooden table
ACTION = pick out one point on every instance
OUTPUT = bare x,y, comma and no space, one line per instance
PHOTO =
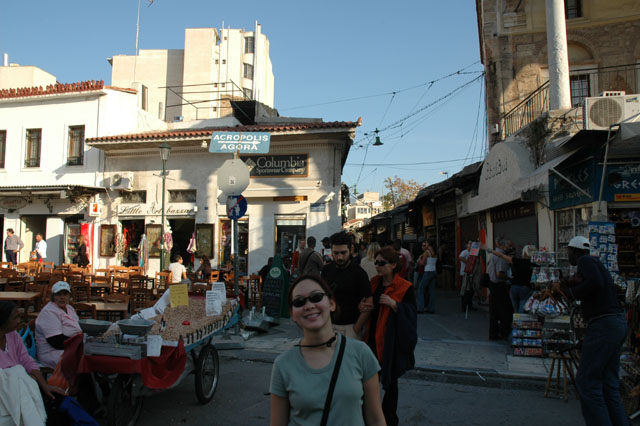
23,298
111,308
100,289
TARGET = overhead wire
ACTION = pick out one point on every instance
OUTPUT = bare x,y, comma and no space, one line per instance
474,137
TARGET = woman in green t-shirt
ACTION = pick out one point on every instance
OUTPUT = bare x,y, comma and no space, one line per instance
301,377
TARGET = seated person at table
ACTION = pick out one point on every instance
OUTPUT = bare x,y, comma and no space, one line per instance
20,401
204,271
178,271
55,324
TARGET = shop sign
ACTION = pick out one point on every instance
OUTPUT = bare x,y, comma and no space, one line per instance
622,182
514,211
154,209
277,165
244,142
562,195
12,203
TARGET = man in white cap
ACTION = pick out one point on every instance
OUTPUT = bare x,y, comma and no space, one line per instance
56,322
597,379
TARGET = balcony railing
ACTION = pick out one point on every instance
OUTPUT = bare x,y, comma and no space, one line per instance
74,161
32,162
584,82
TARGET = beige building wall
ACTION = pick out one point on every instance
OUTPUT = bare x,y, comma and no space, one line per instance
15,76
202,77
513,48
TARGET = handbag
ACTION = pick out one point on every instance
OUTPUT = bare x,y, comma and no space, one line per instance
332,385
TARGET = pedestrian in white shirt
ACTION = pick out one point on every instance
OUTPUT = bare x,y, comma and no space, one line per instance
178,271
41,248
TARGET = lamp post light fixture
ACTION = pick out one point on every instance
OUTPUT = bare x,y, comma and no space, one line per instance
165,149
378,142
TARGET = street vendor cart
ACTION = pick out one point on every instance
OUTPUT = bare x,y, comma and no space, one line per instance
126,365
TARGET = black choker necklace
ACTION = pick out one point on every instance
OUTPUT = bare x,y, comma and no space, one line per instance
327,343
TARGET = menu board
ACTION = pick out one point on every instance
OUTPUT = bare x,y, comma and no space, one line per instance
272,291
602,239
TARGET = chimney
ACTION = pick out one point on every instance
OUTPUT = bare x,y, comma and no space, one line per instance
5,59
558,57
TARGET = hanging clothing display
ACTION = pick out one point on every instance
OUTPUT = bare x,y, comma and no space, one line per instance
143,253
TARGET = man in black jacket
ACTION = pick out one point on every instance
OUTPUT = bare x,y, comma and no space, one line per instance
597,379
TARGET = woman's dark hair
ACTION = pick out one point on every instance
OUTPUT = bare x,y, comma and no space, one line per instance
6,309
313,277
390,255
205,260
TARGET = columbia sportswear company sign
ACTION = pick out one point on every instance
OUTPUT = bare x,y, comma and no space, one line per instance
277,165
243,142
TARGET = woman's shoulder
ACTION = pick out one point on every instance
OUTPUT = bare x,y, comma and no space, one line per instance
287,358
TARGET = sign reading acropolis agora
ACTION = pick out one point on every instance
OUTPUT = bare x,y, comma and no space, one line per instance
243,142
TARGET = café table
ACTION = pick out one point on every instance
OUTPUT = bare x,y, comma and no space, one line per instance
107,309
23,298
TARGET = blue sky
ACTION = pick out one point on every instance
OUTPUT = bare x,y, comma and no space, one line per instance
322,52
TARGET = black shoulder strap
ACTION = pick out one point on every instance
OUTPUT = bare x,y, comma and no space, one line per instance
334,379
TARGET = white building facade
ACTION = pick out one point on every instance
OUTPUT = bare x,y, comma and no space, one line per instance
197,82
48,176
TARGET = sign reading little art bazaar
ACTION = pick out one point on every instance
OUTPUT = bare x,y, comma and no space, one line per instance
277,165
12,203
155,209
244,142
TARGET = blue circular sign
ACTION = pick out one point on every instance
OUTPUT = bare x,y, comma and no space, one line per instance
236,206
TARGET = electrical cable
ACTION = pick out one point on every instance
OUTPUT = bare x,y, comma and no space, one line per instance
403,164
474,137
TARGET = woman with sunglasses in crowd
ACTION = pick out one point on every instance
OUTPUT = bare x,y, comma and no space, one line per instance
392,330
301,377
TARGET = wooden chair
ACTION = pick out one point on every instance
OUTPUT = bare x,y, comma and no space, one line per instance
44,291
120,284
47,267
85,310
8,273
139,298
116,298
6,265
68,265
81,292
215,276
15,284
163,281
42,278
137,270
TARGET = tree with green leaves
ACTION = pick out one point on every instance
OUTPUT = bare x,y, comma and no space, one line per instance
399,192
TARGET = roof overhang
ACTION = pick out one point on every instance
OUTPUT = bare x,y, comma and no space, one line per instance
53,191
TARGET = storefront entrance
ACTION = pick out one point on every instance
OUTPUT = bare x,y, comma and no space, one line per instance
181,232
132,230
31,225
71,234
225,245
290,230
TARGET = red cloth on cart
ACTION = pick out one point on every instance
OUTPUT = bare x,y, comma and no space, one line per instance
157,372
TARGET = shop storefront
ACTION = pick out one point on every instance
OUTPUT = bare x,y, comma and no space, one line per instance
516,222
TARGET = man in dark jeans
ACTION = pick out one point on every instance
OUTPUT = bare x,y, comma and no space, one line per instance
500,310
597,379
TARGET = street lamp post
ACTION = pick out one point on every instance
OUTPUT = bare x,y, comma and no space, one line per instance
164,155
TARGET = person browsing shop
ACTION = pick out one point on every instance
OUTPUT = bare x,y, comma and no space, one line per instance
350,285
500,309
81,259
598,378
303,389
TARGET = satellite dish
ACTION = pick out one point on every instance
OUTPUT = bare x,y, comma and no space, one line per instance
233,177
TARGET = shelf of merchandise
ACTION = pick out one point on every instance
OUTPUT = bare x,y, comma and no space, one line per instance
526,335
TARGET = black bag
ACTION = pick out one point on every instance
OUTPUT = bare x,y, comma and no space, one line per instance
484,280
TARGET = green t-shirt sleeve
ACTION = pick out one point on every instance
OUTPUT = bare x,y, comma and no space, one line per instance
278,386
369,362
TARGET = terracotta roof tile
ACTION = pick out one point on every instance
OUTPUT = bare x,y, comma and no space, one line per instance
194,133
52,89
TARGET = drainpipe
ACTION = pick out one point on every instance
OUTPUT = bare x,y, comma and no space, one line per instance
558,57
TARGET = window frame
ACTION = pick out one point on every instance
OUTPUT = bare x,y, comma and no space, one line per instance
28,158
576,9
247,71
3,148
173,194
72,148
250,44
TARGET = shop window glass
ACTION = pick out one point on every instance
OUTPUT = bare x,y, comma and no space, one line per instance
573,9
580,88
290,229
247,71
226,245
204,240
134,197
249,45
182,196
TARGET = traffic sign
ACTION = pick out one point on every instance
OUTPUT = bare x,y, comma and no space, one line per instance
233,177
236,206
243,142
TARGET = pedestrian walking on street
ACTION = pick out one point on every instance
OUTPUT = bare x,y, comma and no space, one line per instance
310,260
392,332
466,280
500,309
429,279
12,245
522,268
350,285
598,373
327,379
368,262
40,250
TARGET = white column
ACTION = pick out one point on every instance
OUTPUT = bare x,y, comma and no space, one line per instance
558,57
55,240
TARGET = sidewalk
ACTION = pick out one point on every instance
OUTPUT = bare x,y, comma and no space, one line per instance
447,343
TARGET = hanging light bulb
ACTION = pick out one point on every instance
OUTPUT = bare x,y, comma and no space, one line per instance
378,142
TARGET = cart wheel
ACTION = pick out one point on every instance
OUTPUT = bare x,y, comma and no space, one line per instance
123,408
207,374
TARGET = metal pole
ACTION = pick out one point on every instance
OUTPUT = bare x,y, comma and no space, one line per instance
235,256
164,176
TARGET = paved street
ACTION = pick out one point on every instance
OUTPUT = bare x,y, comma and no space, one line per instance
240,401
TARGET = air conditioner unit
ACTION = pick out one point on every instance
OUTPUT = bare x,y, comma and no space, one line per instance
122,181
603,111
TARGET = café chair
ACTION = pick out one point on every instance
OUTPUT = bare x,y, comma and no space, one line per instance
85,310
139,298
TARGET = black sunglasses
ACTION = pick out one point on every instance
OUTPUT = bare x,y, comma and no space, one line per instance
380,262
300,301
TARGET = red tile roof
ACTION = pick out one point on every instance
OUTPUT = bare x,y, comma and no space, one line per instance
58,89
196,133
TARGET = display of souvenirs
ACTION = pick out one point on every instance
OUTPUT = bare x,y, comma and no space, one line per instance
544,257
526,337
602,239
